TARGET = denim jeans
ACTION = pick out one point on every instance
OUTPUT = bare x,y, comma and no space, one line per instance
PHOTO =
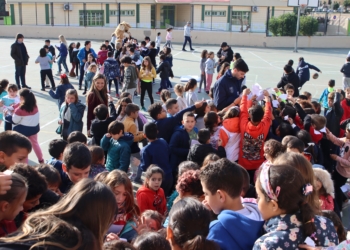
82,72
62,60
187,38
20,74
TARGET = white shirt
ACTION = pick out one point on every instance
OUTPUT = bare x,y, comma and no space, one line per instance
187,30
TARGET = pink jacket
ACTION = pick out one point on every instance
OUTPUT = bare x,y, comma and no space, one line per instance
343,161
168,36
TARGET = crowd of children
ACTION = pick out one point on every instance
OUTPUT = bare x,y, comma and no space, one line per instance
244,169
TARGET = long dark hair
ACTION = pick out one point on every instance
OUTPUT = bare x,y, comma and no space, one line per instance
29,103
211,120
3,85
222,69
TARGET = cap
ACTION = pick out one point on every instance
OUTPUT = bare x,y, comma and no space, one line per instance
224,44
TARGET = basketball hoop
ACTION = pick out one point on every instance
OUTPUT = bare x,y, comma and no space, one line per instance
303,8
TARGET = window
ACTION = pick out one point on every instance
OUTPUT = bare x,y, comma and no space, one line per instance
122,12
113,13
214,13
240,17
91,18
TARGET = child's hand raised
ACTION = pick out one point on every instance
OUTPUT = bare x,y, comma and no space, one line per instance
246,91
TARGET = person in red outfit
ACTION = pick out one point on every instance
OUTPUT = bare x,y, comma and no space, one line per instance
151,196
102,54
345,104
325,189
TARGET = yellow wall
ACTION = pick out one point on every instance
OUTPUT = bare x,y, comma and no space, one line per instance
197,17
182,15
145,16
258,20
129,19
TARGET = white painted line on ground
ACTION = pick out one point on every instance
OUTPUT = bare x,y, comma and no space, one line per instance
7,66
263,60
177,53
47,124
48,141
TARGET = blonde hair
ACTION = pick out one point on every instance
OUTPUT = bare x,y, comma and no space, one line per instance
179,89
62,39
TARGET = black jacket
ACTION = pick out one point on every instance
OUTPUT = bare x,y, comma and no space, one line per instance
198,152
164,70
75,57
227,53
17,55
152,53
290,78
52,50
334,115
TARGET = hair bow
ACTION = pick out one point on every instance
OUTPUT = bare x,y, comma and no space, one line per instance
63,76
307,189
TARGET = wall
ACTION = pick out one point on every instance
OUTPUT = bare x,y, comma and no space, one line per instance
145,16
182,14
199,37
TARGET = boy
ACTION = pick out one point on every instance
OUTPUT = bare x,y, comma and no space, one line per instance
14,148
171,107
77,136
346,73
51,48
48,53
76,163
99,125
289,89
152,53
166,125
56,149
334,113
158,42
181,139
198,152
290,77
308,95
164,70
117,144
324,96
236,227
130,76
150,155
109,47
111,72
135,57
147,41
254,126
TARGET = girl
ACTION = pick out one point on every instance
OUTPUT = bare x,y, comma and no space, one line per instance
113,39
168,38
63,54
3,86
61,90
45,61
76,62
211,121
90,60
324,188
26,120
191,96
89,75
179,91
230,133
78,221
210,158
153,220
282,193
310,150
189,185
121,115
71,48
102,54
147,73
71,114
169,58
128,211
12,202
189,226
209,70
201,112
97,95
224,67
8,102
204,56
97,162
151,195
337,224
164,96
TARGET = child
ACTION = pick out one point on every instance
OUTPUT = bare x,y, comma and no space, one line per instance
171,107
164,96
190,95
179,91
151,195
153,220
224,67
289,90
290,77
324,188
146,75
236,227
204,56
113,39
337,224
117,144
335,113
77,136
71,114
211,122
61,90
282,193
200,113
209,70
121,186
99,125
56,148
346,73
130,76
8,101
168,38
345,104
158,41
254,125
229,134
112,72
25,120
308,95
151,240
164,70
324,96
3,86
45,67
199,151
102,54
98,160
89,75
76,59
14,148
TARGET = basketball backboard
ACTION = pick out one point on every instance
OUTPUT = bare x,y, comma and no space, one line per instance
309,3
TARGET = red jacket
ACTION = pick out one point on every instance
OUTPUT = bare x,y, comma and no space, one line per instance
251,154
326,202
148,199
346,114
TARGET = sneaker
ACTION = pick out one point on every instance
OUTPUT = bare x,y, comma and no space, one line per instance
41,161
84,93
199,91
26,86
47,87
117,95
158,93
192,49
184,50
143,109
79,87
42,89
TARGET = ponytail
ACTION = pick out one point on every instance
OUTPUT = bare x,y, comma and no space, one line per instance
307,219
199,243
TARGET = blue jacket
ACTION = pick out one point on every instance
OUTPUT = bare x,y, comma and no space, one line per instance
118,151
303,71
226,90
167,125
324,98
233,230
63,49
81,55
111,69
179,147
77,114
150,155
60,93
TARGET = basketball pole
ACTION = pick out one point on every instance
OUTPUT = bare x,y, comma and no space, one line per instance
297,32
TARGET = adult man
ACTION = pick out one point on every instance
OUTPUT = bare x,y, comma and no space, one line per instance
20,55
303,71
82,56
229,86
225,54
187,34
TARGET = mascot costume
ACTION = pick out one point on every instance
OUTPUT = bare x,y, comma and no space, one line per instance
120,31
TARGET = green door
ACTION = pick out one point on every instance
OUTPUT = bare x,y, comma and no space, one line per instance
167,16
153,16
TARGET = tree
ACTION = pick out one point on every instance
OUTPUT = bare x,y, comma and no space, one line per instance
336,6
274,26
308,26
346,3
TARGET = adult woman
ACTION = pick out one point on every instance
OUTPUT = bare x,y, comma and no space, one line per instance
78,221
147,73
63,54
97,95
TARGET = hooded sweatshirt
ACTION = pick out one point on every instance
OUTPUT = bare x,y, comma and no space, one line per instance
147,199
303,71
234,230
231,137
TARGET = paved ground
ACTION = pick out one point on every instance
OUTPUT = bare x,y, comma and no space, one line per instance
266,66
